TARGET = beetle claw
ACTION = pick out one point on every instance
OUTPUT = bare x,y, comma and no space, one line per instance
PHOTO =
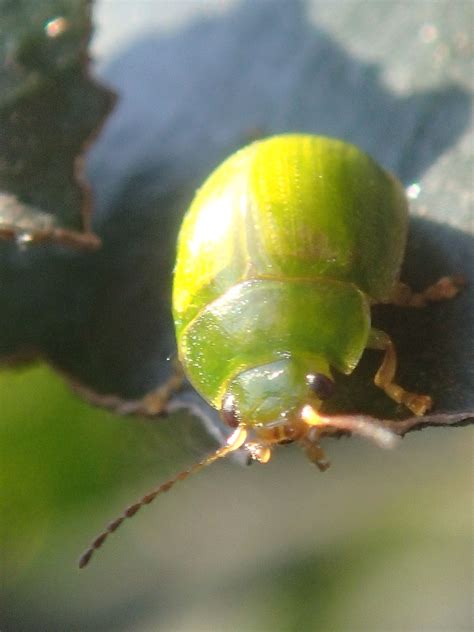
316,455
258,452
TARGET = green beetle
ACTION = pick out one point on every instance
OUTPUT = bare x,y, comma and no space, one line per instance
283,251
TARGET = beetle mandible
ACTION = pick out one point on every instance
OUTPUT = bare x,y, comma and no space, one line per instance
281,255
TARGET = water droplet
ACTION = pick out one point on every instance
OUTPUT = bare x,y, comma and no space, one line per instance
56,27
413,191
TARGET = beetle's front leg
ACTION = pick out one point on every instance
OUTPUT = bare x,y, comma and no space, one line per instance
444,289
384,378
258,452
314,451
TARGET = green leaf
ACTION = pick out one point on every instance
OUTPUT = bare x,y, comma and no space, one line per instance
59,454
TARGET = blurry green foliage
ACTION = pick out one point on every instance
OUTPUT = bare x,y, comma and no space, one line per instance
58,456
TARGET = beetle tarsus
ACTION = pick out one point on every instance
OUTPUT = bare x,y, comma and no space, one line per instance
384,378
258,452
444,289
316,454
155,402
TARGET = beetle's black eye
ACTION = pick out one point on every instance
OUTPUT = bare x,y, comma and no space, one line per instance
229,413
322,386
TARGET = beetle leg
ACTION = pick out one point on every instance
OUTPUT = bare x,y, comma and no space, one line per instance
444,289
315,453
384,377
258,452
155,402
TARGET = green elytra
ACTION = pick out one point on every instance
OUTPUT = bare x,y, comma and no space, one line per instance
282,253
280,256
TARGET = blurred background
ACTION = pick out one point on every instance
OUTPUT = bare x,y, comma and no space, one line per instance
381,541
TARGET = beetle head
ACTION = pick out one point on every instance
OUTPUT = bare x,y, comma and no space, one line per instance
275,393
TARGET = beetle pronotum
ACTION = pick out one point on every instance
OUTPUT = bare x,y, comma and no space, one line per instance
283,251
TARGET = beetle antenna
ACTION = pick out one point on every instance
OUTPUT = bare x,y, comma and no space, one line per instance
235,441
363,425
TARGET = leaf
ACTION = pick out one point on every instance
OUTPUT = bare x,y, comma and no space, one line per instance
49,110
105,318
